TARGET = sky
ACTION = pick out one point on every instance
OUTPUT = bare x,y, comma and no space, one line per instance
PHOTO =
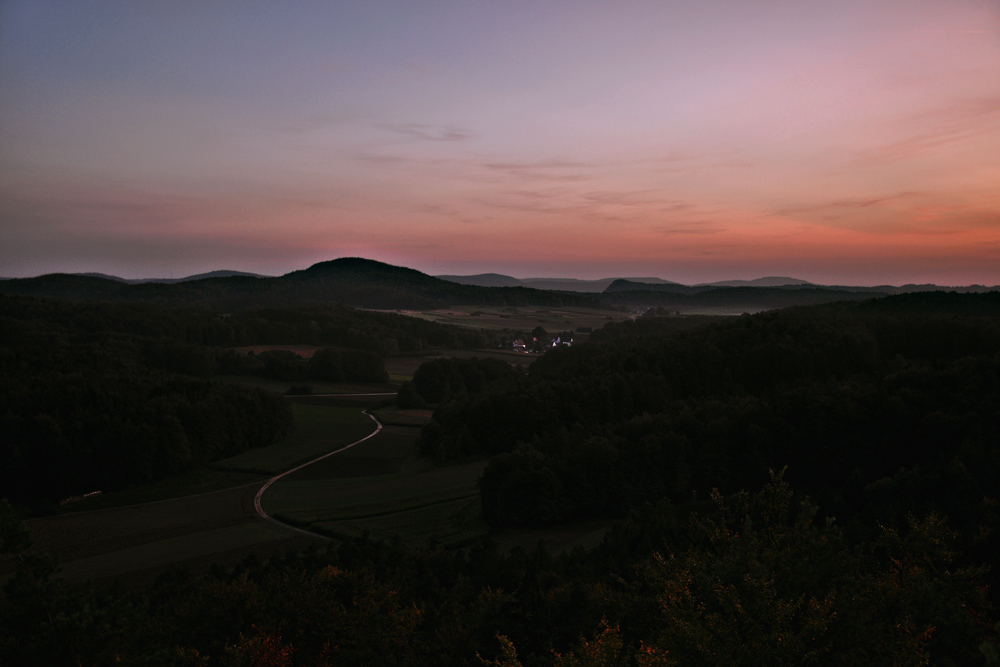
836,141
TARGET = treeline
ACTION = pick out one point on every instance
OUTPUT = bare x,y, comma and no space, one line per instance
748,298
86,412
97,396
879,409
352,281
751,579
330,325
447,379
102,429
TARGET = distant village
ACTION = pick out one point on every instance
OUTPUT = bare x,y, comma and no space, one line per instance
539,342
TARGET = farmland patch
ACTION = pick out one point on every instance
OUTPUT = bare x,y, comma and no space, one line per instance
416,503
318,430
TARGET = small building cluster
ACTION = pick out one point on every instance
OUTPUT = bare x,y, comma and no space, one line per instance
537,344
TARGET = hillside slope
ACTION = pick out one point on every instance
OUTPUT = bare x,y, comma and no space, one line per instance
352,281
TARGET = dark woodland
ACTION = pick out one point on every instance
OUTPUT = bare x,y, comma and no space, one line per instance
813,485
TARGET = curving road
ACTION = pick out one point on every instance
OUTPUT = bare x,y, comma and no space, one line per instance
260,493
137,542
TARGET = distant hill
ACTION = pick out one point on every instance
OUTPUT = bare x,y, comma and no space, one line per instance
170,281
747,299
485,280
625,285
352,281
366,283
202,276
557,284
752,298
574,285
770,281
102,275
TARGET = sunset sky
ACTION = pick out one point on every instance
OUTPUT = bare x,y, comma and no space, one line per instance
842,142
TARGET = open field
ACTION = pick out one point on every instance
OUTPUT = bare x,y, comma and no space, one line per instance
307,501
137,542
318,429
213,521
526,318
393,416
380,487
197,481
452,524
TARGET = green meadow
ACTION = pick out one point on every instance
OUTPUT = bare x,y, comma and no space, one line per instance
318,430
419,504
391,415
524,318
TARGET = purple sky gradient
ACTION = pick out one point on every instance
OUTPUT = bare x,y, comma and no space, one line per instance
839,142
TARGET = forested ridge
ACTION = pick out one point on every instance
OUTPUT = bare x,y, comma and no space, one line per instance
310,324
352,281
748,298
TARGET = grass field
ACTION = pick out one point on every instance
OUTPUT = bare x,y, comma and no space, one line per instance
136,542
417,503
204,516
451,524
527,318
393,416
318,430
197,481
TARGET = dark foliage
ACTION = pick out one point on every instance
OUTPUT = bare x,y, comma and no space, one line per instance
751,579
879,409
98,396
886,412
176,330
79,417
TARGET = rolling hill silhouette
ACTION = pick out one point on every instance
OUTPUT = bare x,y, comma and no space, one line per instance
353,281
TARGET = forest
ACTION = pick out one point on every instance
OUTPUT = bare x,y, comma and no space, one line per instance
97,396
814,485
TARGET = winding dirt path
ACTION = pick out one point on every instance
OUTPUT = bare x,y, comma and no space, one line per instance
260,493
135,543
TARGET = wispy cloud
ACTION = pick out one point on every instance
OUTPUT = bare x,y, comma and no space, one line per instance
961,121
452,213
700,227
838,207
550,170
429,132
618,198
910,214
383,160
